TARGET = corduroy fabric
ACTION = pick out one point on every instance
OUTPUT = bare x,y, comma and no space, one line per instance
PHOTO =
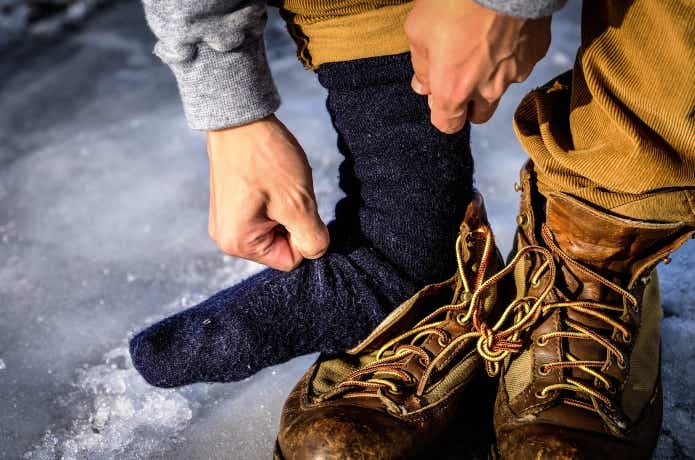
407,187
619,131
345,30
342,30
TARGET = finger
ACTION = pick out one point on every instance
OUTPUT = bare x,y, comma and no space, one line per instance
481,110
309,236
486,99
307,232
418,87
451,92
420,81
277,252
446,120
264,242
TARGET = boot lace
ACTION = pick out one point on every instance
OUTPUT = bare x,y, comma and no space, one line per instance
386,375
497,342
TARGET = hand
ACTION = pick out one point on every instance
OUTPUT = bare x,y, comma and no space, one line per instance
465,56
262,204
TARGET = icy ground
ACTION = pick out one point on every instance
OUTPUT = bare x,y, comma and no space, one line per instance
103,211
46,18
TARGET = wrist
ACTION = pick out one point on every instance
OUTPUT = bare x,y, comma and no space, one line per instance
257,124
242,138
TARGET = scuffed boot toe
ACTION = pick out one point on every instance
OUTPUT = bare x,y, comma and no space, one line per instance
344,432
549,442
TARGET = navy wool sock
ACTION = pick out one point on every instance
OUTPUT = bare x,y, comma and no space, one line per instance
407,187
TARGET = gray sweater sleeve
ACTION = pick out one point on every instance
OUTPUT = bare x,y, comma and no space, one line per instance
215,49
524,8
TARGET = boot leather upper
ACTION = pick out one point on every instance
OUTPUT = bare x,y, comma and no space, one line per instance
560,423
323,420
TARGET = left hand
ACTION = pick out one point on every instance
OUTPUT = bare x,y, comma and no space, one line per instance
465,56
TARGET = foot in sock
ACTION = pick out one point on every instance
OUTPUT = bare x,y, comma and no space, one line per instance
407,187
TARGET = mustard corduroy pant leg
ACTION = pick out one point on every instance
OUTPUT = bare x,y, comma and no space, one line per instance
618,131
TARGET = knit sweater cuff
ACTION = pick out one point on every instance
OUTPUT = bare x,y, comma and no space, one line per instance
221,89
524,8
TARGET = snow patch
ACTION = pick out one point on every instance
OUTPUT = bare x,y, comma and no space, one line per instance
120,412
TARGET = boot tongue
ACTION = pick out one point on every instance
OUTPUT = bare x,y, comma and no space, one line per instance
608,244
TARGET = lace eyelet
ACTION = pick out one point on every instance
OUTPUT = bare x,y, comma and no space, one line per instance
422,361
541,341
535,282
461,319
522,219
543,370
518,187
442,342
622,365
627,339
611,389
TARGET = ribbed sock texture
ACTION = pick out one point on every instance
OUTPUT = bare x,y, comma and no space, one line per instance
407,187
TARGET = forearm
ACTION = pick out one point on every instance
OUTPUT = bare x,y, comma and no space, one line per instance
524,8
215,49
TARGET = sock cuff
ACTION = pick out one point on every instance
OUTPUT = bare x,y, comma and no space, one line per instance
366,72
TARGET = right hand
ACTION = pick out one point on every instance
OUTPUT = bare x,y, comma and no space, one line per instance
466,55
262,203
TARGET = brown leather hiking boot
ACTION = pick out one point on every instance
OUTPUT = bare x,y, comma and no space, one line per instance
394,394
578,348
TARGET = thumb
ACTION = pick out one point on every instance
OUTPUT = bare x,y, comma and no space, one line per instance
306,231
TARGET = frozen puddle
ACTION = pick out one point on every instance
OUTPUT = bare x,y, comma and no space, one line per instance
122,413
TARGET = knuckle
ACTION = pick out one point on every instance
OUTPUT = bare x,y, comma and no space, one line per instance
490,93
230,243
229,246
448,104
442,99
299,200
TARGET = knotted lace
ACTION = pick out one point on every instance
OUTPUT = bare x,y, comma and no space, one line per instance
387,374
497,342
